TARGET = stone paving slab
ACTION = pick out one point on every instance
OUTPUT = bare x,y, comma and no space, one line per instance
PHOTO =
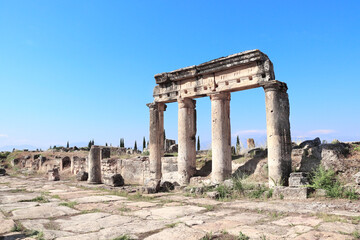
96,199
91,222
43,211
178,232
168,212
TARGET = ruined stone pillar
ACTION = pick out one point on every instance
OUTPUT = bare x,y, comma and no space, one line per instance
221,136
94,165
278,132
156,138
186,140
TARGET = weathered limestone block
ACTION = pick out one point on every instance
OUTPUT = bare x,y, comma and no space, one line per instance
186,140
173,148
290,193
115,180
310,143
94,165
169,169
167,144
221,137
152,186
53,175
105,152
298,179
357,178
82,176
332,156
278,132
250,143
134,170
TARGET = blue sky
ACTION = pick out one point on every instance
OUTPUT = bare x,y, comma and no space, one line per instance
81,70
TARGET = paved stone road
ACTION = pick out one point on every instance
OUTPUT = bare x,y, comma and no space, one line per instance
67,210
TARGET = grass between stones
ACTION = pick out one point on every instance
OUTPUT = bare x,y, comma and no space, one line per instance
39,199
68,204
38,235
123,237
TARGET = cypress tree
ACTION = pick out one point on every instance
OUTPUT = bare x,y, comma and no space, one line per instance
144,143
164,135
237,145
198,143
106,144
67,144
135,146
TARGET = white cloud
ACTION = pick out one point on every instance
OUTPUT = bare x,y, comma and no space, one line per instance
321,131
3,135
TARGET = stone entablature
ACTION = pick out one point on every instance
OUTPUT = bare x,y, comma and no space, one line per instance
217,79
235,72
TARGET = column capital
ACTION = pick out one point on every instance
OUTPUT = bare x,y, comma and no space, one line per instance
157,106
220,96
274,85
186,103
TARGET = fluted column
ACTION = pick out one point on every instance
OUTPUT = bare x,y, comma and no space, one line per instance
186,140
221,136
156,138
94,165
278,132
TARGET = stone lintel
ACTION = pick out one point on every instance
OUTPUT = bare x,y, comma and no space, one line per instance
213,66
236,72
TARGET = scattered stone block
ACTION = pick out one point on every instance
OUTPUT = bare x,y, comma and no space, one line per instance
357,178
229,183
320,193
53,175
115,180
82,176
298,179
250,143
166,186
152,186
290,193
212,195
2,171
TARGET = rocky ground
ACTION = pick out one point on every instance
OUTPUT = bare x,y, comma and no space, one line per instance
34,208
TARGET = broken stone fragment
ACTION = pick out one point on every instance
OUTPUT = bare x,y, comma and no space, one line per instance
115,180
152,186
212,195
298,179
290,193
53,175
82,176
357,178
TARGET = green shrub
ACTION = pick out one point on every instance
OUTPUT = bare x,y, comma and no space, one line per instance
327,179
224,192
242,236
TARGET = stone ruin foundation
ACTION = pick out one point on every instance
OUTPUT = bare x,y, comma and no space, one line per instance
217,79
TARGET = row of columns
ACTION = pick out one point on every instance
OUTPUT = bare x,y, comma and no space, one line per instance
278,136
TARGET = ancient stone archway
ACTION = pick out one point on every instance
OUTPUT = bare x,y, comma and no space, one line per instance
217,79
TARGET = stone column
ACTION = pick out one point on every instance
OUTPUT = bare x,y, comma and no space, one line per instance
156,138
221,136
94,165
186,140
278,132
